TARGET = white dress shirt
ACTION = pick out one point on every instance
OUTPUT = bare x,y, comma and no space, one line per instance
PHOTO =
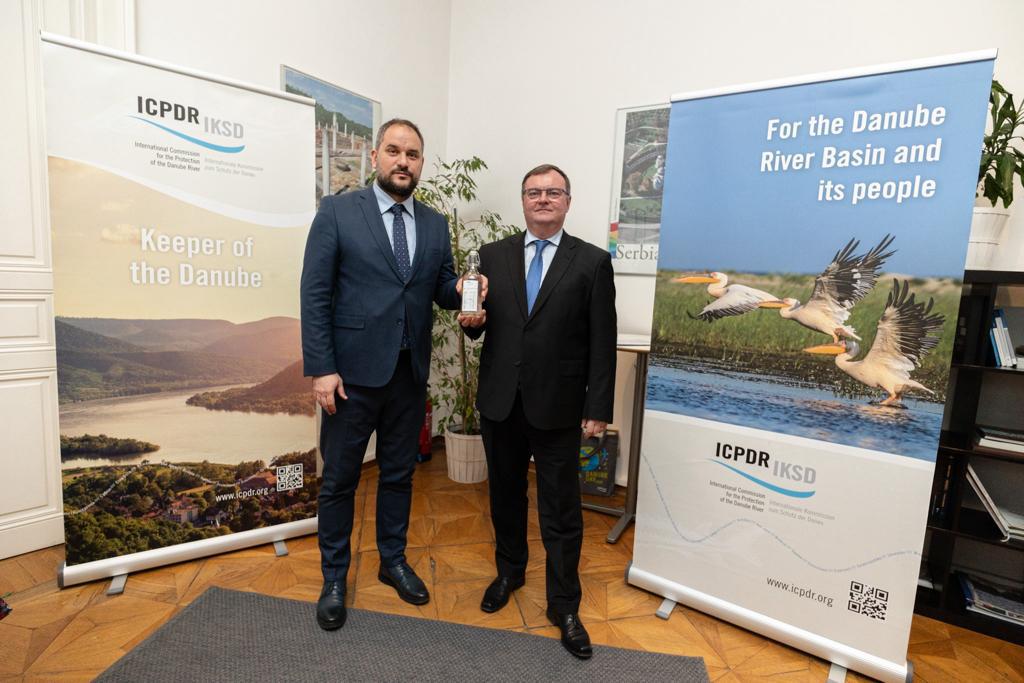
546,256
385,202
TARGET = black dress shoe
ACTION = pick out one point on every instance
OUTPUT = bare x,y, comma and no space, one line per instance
575,638
404,580
497,594
330,608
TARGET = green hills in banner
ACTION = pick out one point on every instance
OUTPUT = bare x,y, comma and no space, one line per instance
106,357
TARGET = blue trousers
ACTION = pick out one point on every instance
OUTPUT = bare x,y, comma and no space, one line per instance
396,412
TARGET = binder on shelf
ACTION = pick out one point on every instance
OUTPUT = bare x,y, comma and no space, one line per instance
993,336
1001,439
1009,523
1002,353
1004,331
993,602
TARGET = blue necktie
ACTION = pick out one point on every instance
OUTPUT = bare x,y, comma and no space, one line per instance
534,276
401,247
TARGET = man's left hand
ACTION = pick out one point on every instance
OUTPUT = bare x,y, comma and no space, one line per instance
592,428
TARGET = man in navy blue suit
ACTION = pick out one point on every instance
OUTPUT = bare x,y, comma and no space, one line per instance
375,260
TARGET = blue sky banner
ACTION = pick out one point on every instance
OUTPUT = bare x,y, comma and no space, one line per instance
812,247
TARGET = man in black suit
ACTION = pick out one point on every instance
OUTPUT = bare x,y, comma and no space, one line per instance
547,370
375,260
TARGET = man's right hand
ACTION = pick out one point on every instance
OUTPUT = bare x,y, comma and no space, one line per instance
324,388
471,320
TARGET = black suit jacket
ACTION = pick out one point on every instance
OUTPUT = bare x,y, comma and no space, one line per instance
561,356
354,303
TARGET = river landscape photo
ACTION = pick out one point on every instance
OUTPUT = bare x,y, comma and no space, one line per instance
181,429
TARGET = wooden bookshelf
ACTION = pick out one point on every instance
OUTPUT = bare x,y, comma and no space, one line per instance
955,529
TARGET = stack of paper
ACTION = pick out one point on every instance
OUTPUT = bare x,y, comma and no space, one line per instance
993,602
1001,438
1011,524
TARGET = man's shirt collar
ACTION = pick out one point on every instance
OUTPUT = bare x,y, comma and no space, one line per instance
554,239
385,202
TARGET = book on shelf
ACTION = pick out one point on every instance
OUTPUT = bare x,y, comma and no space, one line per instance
997,345
1001,603
1001,439
1009,522
1003,330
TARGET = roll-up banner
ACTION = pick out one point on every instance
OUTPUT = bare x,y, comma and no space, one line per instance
813,237
179,205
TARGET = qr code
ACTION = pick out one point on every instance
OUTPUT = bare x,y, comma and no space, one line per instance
289,477
867,600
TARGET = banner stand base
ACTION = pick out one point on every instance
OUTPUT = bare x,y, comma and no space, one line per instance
280,548
811,643
117,584
665,611
182,552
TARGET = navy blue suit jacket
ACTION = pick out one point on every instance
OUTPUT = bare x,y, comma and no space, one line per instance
354,303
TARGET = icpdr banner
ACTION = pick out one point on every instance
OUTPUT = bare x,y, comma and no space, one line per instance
813,237
179,206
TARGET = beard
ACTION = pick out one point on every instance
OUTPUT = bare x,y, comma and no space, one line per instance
389,186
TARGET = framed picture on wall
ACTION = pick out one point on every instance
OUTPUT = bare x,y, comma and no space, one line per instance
345,124
638,176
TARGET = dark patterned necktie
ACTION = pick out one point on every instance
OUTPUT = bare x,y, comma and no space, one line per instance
401,247
401,244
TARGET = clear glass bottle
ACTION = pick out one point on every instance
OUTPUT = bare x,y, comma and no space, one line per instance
471,303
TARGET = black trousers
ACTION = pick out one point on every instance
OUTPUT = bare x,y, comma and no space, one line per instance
509,444
395,411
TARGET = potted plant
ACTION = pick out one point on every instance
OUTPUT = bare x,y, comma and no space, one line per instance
1001,163
455,358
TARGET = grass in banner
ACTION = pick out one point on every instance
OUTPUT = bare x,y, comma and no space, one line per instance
115,510
853,354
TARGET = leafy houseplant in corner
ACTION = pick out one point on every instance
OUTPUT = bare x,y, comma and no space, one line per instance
1001,163
455,358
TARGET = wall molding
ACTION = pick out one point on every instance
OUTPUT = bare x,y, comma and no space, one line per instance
31,517
110,23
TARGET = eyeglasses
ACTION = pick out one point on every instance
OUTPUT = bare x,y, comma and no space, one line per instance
551,192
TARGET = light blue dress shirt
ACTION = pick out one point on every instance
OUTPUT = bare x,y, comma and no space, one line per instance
546,256
385,202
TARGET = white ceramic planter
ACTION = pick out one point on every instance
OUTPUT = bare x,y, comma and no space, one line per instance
467,463
987,227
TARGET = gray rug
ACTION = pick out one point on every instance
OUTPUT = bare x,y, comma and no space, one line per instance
233,636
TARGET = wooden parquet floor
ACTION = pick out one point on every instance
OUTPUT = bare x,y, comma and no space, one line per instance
76,633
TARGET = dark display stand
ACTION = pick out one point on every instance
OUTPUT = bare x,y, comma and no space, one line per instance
627,513
950,524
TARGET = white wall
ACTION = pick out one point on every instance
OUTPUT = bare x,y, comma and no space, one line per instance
539,81
30,508
517,82
393,51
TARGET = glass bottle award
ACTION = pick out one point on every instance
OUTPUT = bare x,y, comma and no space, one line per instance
471,285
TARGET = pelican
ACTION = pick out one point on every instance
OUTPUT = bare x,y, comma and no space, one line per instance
729,299
906,331
843,283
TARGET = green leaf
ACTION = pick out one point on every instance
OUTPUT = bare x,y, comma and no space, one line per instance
991,189
1005,169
